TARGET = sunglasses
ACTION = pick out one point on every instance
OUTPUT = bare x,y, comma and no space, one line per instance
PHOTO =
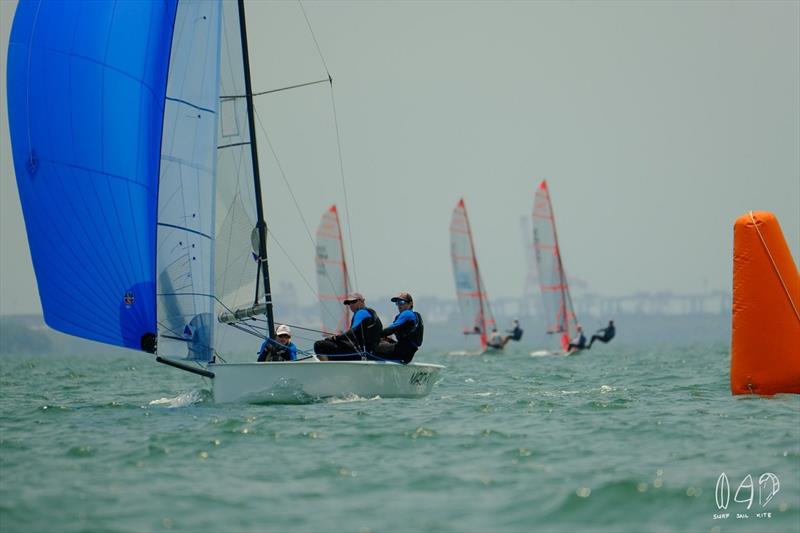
400,302
284,335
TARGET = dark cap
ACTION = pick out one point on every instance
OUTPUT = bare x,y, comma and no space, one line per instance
353,297
404,296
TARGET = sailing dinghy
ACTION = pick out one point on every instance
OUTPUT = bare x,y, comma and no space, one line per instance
134,146
476,314
558,310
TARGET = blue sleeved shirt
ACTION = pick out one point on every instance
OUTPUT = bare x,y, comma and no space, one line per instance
406,316
292,351
359,317
291,347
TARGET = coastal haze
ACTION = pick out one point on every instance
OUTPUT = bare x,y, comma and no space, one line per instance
656,125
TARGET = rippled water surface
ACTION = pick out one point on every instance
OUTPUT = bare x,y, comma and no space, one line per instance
616,439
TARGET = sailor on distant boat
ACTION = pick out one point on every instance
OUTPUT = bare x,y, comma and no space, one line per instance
282,349
604,335
515,331
408,330
579,342
358,342
495,340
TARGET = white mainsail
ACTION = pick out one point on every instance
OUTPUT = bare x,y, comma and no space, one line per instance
186,226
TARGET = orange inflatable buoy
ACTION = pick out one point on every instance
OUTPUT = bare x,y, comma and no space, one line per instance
765,343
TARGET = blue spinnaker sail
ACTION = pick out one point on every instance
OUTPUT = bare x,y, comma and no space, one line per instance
86,87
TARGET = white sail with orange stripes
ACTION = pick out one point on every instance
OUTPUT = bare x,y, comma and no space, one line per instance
476,315
332,278
558,309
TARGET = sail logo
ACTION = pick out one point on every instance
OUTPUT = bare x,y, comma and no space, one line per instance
32,164
767,487
128,299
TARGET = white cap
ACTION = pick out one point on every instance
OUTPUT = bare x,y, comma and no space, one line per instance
283,329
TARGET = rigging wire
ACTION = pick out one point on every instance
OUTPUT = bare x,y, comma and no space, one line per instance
338,146
329,79
297,208
271,234
339,149
344,189
319,50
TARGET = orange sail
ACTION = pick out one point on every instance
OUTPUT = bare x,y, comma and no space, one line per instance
333,282
765,344
476,314
558,309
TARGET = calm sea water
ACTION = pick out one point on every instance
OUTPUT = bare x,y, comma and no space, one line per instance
616,439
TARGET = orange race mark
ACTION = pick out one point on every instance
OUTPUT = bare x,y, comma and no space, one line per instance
765,343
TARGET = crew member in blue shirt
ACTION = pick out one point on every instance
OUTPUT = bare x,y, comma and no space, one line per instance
282,349
358,342
407,329
603,335
515,331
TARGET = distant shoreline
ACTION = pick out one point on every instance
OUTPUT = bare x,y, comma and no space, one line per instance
27,334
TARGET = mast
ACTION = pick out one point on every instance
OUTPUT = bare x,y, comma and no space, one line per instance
561,274
344,268
484,334
565,305
261,225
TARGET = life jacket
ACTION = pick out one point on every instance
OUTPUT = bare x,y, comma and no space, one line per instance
274,351
411,334
368,333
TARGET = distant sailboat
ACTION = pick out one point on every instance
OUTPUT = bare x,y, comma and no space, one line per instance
476,314
558,309
134,146
333,284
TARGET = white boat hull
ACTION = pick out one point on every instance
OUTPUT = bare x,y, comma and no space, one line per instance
302,382
549,353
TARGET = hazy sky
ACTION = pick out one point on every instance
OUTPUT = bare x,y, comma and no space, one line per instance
656,125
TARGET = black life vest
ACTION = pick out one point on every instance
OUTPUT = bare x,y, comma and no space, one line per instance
368,332
411,334
274,351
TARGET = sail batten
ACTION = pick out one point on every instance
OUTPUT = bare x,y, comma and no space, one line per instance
186,211
559,312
